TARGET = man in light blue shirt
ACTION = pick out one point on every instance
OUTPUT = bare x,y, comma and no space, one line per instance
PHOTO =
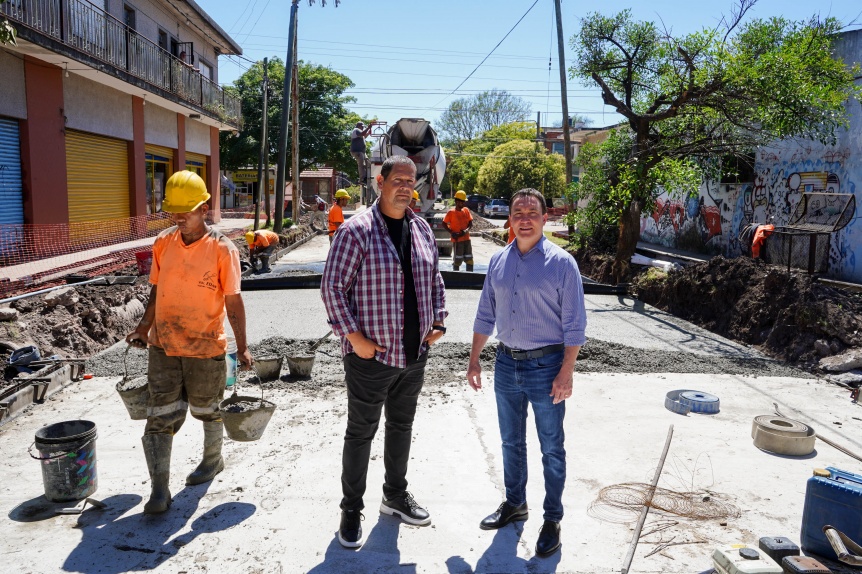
534,297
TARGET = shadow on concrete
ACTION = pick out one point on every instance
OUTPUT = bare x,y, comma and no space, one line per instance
502,556
379,553
113,542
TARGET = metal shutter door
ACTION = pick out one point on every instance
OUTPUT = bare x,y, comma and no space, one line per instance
11,199
97,171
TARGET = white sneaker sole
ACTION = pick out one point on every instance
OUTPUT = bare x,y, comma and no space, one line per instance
347,544
392,512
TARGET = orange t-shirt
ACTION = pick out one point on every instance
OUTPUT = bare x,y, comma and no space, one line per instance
263,238
192,282
458,220
336,217
511,236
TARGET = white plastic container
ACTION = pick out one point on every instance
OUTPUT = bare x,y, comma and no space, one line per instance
230,361
741,559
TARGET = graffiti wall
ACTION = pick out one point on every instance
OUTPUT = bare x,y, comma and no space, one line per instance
711,222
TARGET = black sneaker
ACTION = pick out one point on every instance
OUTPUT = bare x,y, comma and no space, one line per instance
406,508
350,530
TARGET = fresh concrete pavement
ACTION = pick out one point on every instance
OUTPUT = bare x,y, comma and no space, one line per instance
275,507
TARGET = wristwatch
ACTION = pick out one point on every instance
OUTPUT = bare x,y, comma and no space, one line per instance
440,328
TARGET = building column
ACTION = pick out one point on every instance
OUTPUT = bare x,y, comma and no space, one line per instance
213,177
180,156
137,170
43,146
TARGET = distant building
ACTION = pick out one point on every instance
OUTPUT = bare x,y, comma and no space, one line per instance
102,101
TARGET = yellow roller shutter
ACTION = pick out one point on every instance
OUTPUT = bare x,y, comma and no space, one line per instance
196,157
97,171
158,150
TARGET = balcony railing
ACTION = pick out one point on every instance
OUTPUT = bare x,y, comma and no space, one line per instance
82,26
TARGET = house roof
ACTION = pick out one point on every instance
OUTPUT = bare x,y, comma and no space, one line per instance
201,18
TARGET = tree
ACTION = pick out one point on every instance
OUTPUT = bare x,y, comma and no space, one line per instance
690,99
519,164
463,164
324,120
468,117
576,119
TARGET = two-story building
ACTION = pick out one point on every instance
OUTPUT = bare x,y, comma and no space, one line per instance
101,101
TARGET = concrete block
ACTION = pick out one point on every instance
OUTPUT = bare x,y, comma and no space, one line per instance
8,314
847,361
64,297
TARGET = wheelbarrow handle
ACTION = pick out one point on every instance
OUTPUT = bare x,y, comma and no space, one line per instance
840,542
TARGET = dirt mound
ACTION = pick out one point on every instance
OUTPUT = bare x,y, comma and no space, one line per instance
789,315
597,266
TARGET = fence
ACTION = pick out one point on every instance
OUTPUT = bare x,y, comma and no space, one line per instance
35,256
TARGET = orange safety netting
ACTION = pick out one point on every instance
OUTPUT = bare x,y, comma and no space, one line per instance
36,256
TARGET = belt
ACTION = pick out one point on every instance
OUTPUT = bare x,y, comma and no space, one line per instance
520,355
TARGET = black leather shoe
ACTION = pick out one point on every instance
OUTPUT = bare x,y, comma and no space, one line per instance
406,508
549,538
505,514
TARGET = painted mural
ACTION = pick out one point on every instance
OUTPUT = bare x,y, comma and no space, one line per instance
712,221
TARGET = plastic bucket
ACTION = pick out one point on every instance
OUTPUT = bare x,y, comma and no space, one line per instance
67,455
268,368
246,421
300,365
135,394
144,259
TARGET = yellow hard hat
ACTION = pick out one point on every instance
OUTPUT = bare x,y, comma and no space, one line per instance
460,195
342,193
185,191
249,237
415,195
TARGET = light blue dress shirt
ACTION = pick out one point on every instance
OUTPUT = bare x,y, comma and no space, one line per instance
534,299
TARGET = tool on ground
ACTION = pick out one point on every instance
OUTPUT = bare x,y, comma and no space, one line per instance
684,401
831,443
740,559
97,504
840,543
319,342
781,435
627,561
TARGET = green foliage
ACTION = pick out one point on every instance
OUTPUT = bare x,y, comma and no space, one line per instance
689,101
468,117
324,120
463,163
355,194
519,164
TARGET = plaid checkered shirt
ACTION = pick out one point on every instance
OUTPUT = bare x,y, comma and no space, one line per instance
363,285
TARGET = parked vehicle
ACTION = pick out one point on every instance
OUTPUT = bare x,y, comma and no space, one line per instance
474,201
497,208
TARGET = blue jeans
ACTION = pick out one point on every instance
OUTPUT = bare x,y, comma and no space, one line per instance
517,383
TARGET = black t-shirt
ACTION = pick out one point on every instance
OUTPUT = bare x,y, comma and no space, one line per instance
399,233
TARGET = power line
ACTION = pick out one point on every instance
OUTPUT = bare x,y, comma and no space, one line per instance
491,52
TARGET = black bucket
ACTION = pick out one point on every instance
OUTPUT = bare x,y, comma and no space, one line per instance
67,455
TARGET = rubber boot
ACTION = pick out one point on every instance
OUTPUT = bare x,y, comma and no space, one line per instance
469,267
212,463
157,449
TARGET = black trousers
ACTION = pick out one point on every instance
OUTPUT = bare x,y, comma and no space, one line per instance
371,388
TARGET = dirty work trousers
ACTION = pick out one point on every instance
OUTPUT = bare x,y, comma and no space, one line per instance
178,384
265,256
462,251
371,388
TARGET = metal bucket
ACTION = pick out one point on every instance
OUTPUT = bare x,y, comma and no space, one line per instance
246,424
134,392
268,368
67,453
300,365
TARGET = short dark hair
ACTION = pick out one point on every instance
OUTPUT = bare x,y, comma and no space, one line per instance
530,192
394,160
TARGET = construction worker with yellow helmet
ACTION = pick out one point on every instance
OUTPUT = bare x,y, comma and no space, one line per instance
336,212
262,245
458,222
195,278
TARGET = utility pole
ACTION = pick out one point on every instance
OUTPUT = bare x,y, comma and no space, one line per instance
567,140
297,187
263,157
282,136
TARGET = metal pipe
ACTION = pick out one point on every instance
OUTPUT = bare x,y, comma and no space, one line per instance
25,295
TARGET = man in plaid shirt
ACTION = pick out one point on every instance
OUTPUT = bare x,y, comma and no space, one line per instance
385,298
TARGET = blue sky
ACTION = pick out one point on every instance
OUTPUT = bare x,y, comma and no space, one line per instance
405,57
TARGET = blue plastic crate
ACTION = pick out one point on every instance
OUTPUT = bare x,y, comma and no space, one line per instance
835,500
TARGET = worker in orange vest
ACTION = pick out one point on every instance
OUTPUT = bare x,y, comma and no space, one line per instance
458,222
261,245
336,212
